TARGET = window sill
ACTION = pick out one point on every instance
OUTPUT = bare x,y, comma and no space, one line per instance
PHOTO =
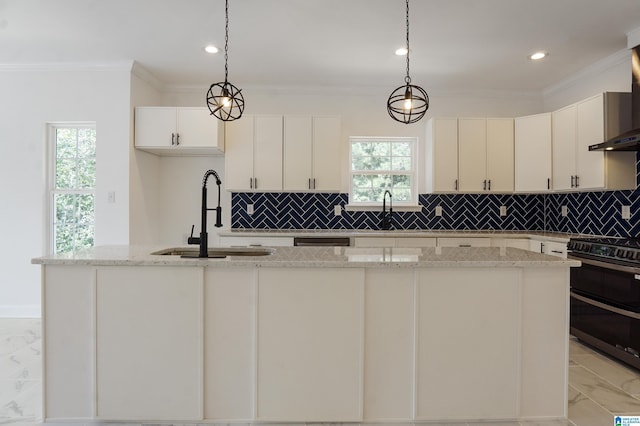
378,208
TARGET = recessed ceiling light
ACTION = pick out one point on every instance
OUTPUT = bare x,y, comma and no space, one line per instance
401,51
538,55
211,49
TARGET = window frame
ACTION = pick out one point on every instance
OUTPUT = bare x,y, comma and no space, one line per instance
413,172
52,191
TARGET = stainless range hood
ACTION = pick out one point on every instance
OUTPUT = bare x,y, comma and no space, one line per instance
629,140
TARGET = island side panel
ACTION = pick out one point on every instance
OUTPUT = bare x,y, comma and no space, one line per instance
468,343
229,343
149,346
69,336
389,344
545,342
310,344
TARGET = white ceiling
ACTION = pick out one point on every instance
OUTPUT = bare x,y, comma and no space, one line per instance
455,44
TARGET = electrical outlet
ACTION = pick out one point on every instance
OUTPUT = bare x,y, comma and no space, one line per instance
564,211
111,197
337,210
503,211
249,208
626,212
438,211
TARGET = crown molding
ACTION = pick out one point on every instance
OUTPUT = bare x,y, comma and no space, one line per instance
69,66
147,76
594,69
633,38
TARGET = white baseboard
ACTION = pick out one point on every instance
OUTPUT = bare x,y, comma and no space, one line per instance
20,311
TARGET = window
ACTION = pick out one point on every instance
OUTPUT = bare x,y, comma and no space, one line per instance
72,183
379,164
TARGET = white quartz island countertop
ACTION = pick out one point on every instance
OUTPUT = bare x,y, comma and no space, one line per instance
317,257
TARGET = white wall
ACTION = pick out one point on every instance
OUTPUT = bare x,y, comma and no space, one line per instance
31,98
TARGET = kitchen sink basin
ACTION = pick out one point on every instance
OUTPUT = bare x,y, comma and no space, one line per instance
219,252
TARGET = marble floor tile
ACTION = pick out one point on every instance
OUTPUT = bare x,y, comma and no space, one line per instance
612,398
626,378
577,348
585,412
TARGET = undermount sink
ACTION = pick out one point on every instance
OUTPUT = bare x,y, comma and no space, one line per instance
215,252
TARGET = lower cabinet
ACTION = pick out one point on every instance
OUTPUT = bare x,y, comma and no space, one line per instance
310,344
149,343
467,365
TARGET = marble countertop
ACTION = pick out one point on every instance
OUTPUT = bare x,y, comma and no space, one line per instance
314,257
537,235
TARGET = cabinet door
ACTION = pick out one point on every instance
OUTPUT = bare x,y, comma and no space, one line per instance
500,161
590,130
310,344
298,151
564,147
464,242
238,159
155,127
149,343
267,153
472,155
463,374
327,167
198,128
445,154
533,153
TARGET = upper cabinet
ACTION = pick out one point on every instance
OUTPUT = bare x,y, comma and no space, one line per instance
485,160
533,153
469,155
585,123
253,160
178,131
275,152
442,155
311,153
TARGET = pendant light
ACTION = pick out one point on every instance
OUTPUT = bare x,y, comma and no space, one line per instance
225,101
408,103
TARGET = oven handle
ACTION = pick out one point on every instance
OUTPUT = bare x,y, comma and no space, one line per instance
605,265
606,307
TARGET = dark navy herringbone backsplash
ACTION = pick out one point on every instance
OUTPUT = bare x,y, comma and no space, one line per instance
588,212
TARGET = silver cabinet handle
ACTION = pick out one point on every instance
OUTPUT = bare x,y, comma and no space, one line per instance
489,184
573,181
456,183
577,181
309,184
548,183
177,138
250,183
314,183
484,185
255,183
173,136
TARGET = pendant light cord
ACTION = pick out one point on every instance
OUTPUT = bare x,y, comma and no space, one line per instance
226,40
407,79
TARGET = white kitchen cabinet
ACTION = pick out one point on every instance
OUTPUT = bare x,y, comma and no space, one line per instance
521,243
486,378
485,161
229,343
68,342
394,242
585,123
310,344
245,241
149,343
464,242
253,157
311,152
441,160
178,131
533,153
389,344
554,248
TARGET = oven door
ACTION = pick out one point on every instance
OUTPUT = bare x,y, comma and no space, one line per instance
603,311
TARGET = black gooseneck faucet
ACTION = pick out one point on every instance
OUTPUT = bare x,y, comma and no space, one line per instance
387,218
203,240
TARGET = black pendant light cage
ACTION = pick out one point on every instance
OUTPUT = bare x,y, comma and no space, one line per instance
409,103
225,101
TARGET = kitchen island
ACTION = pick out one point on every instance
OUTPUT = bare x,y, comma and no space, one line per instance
306,334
